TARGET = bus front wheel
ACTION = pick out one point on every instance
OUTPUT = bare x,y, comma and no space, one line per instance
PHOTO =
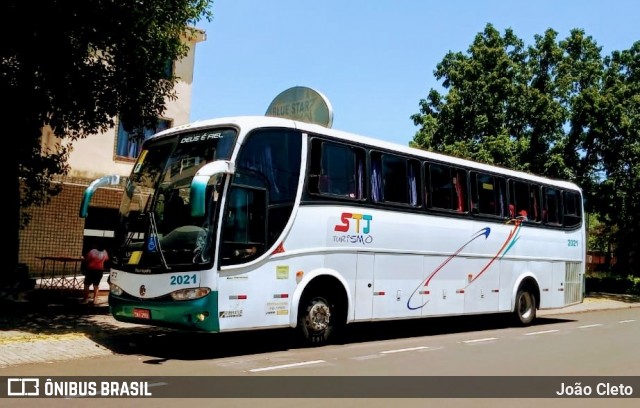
525,307
316,320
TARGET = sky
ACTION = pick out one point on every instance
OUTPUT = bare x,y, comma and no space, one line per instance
373,59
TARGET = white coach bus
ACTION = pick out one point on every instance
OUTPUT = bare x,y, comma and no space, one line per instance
262,222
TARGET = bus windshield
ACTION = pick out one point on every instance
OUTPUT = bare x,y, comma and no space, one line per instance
156,232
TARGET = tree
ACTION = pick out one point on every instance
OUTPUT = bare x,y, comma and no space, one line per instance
555,108
476,119
620,113
75,66
600,239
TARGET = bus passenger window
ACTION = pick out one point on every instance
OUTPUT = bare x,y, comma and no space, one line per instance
490,192
459,200
394,179
339,170
572,209
461,190
534,206
447,185
440,185
523,201
552,204
244,228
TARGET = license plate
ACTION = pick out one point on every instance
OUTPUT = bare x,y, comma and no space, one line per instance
142,313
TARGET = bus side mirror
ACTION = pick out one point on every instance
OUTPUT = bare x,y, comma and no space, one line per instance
89,191
197,195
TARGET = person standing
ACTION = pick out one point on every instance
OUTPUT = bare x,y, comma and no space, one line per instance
94,267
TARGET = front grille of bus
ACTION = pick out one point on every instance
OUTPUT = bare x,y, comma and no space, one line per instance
163,298
573,279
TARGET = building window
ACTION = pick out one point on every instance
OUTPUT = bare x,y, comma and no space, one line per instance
169,69
129,144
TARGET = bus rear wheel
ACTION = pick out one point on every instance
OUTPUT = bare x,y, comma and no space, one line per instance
316,320
524,312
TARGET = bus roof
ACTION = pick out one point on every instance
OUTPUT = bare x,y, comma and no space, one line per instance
251,122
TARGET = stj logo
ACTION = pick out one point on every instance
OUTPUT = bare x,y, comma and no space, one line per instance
358,218
23,387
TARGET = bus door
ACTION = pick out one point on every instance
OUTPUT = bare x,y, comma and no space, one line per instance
364,287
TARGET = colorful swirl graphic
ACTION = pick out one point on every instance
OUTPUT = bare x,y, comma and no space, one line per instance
509,242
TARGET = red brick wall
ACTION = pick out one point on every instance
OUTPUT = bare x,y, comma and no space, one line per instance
56,229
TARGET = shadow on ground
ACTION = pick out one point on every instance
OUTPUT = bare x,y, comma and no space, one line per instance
61,314
43,312
203,346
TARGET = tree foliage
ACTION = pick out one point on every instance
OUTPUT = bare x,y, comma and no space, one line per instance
558,108
77,65
618,193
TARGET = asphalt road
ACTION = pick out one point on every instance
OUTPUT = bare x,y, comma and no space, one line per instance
590,343
597,343
56,337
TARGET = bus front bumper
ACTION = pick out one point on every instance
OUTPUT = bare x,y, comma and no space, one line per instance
197,315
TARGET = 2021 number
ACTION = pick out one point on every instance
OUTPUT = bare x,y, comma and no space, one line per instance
183,280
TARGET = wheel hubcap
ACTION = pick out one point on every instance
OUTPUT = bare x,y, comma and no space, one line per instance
318,317
525,306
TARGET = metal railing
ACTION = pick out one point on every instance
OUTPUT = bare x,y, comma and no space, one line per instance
60,272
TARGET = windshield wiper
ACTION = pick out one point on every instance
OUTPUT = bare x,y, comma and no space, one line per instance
154,232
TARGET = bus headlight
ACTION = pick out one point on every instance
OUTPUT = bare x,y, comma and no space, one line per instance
115,289
190,294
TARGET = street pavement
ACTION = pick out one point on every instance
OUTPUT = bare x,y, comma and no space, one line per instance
48,326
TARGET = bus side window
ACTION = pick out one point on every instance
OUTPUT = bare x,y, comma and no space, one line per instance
523,202
572,209
394,179
535,207
448,188
425,182
244,228
486,193
552,203
459,200
324,184
341,170
439,184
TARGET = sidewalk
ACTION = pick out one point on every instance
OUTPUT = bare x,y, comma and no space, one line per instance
54,326
597,301
49,325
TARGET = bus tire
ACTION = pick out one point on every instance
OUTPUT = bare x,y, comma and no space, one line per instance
316,320
524,311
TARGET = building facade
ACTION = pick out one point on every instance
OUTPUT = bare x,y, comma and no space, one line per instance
56,231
